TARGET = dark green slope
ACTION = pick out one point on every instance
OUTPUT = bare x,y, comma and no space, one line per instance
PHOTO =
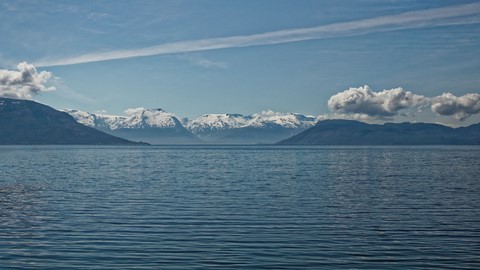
348,132
27,122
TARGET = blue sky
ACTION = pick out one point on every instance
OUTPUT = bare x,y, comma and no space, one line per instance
243,56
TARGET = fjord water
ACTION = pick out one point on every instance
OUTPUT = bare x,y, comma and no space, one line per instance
247,207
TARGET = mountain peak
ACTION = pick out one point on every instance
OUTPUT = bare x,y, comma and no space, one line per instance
154,126
134,118
262,127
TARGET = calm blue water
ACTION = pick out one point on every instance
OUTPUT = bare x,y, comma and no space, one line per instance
212,207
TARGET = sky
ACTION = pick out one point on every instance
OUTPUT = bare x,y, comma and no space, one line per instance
371,60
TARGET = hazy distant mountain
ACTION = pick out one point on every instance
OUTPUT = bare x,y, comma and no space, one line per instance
153,126
28,122
267,127
348,132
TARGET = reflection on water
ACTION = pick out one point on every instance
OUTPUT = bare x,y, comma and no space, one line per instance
239,207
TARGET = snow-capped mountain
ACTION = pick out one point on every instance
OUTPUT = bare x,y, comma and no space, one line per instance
157,126
149,118
98,121
154,126
134,119
287,120
213,122
209,122
265,127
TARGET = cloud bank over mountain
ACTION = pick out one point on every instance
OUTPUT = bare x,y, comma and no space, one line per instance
24,82
385,104
362,103
459,107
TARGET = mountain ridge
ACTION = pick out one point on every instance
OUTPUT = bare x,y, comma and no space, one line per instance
154,126
267,127
350,132
158,126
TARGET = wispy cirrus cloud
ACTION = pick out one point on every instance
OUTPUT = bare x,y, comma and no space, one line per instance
201,61
452,15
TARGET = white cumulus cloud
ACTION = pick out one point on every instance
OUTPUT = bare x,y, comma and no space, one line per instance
24,82
459,107
362,101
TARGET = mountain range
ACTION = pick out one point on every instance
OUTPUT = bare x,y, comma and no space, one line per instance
25,122
159,127
29,122
257,128
154,126
348,132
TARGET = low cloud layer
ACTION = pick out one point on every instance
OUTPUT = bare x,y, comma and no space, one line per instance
355,116
24,82
364,104
459,107
385,104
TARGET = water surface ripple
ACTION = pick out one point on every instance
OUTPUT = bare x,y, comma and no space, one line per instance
244,207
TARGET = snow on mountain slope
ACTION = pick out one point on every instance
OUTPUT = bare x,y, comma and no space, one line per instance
150,118
100,121
212,122
137,118
217,122
146,125
81,117
285,120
